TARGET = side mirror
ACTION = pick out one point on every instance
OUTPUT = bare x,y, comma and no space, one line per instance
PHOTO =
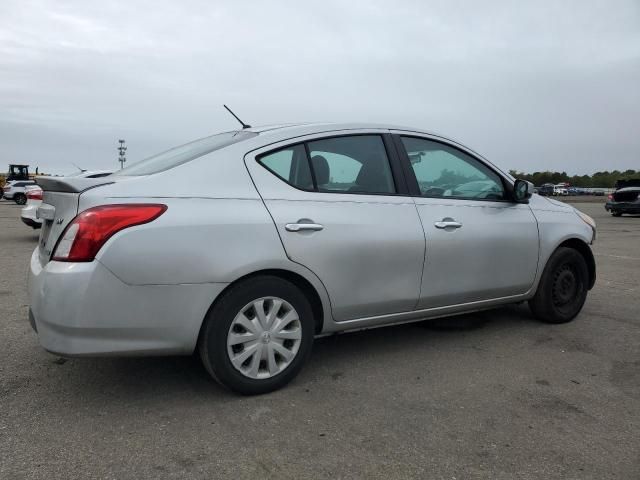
522,191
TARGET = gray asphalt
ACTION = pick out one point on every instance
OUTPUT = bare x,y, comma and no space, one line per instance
502,398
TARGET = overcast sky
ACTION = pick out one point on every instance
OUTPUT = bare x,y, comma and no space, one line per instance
530,85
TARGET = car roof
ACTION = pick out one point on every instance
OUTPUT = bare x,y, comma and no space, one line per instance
280,132
313,127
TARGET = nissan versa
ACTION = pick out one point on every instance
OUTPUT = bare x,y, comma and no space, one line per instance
246,245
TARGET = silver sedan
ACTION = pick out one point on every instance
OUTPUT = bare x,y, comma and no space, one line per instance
246,245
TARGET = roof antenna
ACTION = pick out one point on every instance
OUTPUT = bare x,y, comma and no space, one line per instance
81,169
244,125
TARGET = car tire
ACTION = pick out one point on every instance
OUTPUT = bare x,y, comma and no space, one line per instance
563,287
20,198
616,214
266,369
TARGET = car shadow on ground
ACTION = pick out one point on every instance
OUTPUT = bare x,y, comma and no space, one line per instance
153,378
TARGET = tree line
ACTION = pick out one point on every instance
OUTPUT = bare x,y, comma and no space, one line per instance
603,179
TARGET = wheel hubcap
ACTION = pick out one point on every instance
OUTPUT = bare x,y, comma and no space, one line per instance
565,286
264,337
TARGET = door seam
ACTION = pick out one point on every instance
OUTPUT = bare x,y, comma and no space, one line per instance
424,255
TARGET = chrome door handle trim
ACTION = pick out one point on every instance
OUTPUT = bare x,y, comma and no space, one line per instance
448,224
298,227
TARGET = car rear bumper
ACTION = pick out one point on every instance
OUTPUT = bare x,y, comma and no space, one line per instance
30,222
622,207
29,217
82,309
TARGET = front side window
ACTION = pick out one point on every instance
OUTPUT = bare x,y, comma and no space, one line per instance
444,171
353,164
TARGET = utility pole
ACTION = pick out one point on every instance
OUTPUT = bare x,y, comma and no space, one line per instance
122,149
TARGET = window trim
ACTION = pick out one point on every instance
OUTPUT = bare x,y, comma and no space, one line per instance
307,152
414,186
395,164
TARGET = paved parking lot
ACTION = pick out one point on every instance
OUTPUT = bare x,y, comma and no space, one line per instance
508,398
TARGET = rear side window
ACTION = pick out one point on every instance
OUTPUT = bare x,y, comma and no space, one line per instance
355,164
185,153
291,165
349,164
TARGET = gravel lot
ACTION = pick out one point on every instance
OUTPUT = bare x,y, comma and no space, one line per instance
509,398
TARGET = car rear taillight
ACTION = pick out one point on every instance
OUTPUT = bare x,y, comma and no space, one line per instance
35,194
88,232
610,196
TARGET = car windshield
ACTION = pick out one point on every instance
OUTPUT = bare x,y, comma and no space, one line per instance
185,153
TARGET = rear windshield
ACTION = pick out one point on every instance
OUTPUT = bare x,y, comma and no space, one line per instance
185,153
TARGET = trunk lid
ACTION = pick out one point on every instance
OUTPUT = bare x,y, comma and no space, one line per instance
59,207
626,195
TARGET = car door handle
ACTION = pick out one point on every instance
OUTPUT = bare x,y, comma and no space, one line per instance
299,227
448,223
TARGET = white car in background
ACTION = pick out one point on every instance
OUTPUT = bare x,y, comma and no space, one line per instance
34,199
33,195
560,190
15,190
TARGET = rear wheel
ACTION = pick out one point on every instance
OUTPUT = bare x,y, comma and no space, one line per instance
616,214
563,287
20,198
258,335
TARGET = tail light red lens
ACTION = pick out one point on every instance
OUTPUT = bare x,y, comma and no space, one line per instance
35,194
88,232
610,196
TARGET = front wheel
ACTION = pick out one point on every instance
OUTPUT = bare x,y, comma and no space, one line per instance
258,335
563,287
616,214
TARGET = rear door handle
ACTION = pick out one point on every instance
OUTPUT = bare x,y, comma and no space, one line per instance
448,223
299,227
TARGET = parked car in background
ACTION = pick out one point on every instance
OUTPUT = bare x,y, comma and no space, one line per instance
29,216
624,200
16,190
291,232
560,190
576,191
546,190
